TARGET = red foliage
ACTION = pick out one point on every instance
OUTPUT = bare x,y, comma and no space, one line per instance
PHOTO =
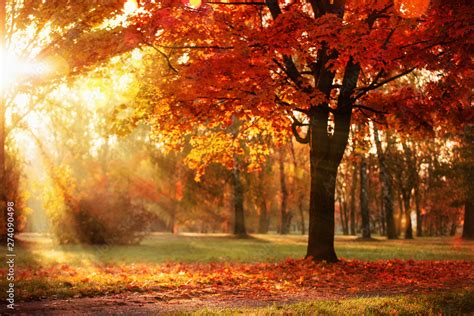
290,277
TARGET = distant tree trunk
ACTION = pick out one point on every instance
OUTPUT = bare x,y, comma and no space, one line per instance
382,218
468,153
346,217
364,203
301,208
353,199
343,216
401,214
263,218
239,220
387,189
302,221
468,228
419,216
452,231
285,216
408,227
172,222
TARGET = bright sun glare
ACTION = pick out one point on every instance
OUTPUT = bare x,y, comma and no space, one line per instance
14,70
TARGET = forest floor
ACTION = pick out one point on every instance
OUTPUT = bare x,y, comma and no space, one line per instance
190,273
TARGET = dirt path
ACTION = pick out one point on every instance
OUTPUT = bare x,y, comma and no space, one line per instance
154,303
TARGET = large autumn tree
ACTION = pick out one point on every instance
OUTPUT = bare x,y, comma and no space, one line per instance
300,66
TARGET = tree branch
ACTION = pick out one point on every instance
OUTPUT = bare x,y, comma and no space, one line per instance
299,139
237,3
364,90
360,106
166,57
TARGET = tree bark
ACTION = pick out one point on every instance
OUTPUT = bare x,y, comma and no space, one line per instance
346,219
239,220
263,219
452,231
468,153
341,214
285,216
387,190
468,227
321,211
302,221
353,199
419,216
364,202
408,226
301,192
323,188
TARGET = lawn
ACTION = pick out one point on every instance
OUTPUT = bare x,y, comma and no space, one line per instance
203,267
160,248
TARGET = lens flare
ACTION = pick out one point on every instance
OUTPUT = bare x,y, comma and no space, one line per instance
130,7
193,4
16,71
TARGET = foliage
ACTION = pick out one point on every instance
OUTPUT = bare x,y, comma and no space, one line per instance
282,279
99,210
15,192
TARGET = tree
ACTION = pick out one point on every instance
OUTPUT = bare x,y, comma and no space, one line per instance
364,200
468,174
314,62
387,188
285,214
52,35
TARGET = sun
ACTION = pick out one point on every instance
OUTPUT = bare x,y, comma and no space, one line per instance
14,70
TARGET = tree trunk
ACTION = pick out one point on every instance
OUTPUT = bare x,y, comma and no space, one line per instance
323,188
263,219
346,219
452,231
387,189
321,212
173,228
364,202
301,193
419,216
239,222
326,152
408,227
301,209
353,199
468,228
285,216
468,153
341,216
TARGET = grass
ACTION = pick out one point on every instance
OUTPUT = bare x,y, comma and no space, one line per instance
460,303
41,253
160,248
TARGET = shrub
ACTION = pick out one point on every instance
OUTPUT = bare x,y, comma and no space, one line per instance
99,211
14,193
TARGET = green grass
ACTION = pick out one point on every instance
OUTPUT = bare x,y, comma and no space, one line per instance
461,303
210,248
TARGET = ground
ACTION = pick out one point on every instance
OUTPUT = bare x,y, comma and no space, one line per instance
263,273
